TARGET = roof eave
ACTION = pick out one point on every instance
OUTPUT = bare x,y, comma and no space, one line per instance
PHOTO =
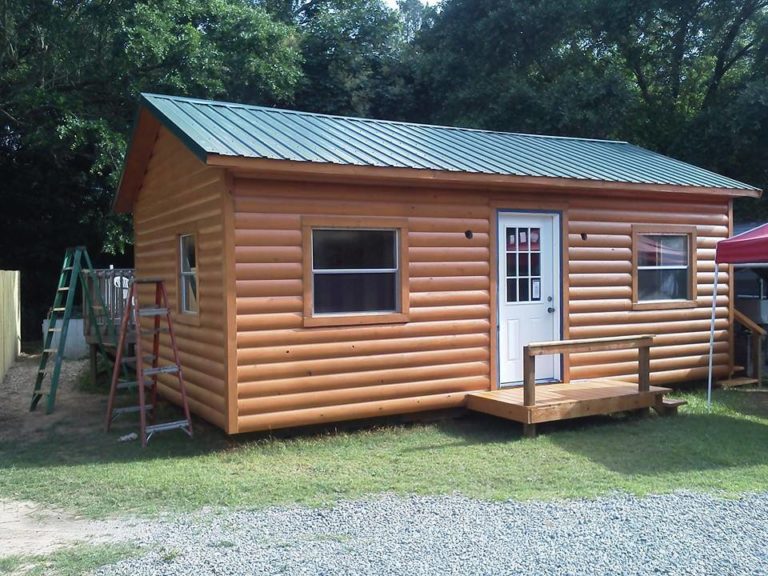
288,169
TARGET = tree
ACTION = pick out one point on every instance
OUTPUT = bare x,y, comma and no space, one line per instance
70,73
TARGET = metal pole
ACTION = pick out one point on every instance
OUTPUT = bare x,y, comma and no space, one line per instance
712,336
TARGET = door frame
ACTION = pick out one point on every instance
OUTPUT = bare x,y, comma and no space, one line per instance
558,227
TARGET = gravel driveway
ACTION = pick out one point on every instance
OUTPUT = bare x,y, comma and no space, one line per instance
673,534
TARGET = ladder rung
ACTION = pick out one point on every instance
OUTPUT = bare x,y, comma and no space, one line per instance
150,331
132,359
50,350
59,309
161,370
175,425
63,289
54,329
67,268
130,409
153,312
126,384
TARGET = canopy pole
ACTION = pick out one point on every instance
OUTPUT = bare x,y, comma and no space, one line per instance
712,336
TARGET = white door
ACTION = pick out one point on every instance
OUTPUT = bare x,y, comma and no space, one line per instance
529,291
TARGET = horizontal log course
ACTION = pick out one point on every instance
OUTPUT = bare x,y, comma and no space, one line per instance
342,350
255,339
328,366
303,400
291,418
319,383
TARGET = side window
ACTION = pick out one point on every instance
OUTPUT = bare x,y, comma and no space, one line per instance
665,267
188,302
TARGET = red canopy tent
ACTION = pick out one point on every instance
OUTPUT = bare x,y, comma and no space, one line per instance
749,248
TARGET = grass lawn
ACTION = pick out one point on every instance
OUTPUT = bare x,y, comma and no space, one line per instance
725,451
72,561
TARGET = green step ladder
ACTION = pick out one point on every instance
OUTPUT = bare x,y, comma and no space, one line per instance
77,264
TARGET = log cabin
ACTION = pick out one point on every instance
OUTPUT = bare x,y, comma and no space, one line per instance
327,268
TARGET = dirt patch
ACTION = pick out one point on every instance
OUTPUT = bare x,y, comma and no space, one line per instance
74,410
27,528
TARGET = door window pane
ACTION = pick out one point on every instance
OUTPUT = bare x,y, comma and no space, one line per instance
535,264
511,239
522,237
522,260
511,265
511,290
523,290
535,239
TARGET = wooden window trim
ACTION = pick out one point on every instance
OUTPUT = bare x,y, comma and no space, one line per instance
690,231
400,224
183,317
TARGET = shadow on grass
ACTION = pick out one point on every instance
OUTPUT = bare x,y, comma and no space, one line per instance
682,444
626,444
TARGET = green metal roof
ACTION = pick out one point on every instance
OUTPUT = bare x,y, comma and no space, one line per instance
239,130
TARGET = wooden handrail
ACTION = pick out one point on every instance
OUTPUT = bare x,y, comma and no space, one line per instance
642,343
748,323
589,344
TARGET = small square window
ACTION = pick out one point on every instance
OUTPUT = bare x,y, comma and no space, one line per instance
188,274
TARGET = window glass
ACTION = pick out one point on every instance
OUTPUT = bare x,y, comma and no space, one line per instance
353,249
663,267
355,271
523,264
188,273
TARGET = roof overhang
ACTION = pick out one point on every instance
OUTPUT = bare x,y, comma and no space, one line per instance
149,121
291,170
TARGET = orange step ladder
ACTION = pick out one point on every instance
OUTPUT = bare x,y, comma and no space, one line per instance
147,366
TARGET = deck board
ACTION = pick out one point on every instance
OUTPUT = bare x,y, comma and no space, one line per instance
565,400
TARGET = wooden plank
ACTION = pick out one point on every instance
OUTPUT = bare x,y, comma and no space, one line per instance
589,344
593,407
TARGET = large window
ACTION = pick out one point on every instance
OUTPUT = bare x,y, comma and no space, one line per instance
664,266
188,274
356,274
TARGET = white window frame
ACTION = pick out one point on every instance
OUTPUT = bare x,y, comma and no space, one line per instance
325,271
639,230
184,307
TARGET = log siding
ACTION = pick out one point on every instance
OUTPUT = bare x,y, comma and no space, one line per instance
289,374
180,195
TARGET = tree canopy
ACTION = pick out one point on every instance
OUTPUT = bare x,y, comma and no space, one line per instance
688,78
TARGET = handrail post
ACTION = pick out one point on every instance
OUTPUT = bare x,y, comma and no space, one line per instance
757,357
529,378
644,368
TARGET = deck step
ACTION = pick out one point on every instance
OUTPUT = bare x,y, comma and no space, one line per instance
673,402
738,381
668,406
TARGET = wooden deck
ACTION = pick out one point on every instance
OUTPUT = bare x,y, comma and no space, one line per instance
564,401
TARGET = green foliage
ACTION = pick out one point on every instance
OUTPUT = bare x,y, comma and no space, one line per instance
72,561
70,74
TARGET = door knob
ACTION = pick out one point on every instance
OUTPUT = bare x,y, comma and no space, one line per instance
550,309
